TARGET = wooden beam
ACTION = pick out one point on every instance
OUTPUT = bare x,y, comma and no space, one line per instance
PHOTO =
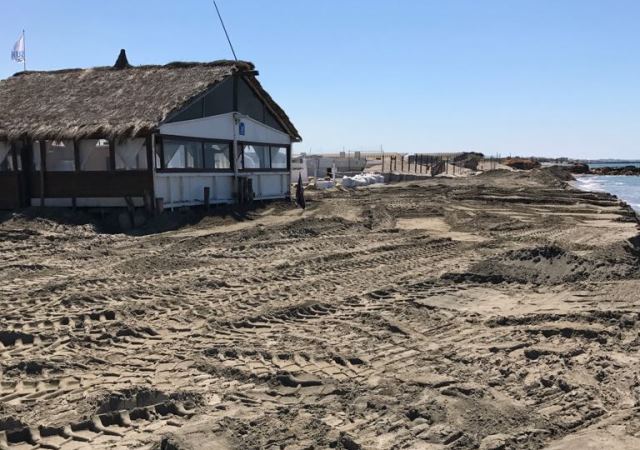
161,141
76,164
14,162
76,156
150,151
207,193
112,155
43,168
26,157
14,158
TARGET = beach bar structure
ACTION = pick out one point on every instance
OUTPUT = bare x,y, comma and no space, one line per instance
122,135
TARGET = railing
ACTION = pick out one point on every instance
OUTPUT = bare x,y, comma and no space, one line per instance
430,164
419,164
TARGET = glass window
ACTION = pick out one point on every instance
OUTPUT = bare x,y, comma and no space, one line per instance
216,156
6,157
278,157
182,154
131,154
94,154
60,156
255,157
193,153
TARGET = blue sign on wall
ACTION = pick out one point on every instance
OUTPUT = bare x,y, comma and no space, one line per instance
241,129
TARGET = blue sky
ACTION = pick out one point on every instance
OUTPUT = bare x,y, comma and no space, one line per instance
544,77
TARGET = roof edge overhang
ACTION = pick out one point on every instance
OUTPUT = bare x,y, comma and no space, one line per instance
55,135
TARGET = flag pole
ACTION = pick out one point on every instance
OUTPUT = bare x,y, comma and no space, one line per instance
24,60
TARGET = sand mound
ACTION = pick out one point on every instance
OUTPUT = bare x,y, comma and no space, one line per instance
496,311
551,264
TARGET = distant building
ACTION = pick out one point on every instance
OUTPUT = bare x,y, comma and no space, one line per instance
95,137
299,168
317,165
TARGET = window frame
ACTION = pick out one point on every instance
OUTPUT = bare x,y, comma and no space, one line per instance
242,144
162,169
287,156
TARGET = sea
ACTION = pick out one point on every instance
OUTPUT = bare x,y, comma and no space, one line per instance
614,164
625,187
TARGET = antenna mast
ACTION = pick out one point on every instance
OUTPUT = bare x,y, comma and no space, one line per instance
225,30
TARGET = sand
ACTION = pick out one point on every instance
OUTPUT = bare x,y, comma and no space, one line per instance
495,311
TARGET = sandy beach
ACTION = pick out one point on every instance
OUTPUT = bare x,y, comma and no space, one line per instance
495,311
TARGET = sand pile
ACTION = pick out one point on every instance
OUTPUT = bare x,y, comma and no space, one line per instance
551,264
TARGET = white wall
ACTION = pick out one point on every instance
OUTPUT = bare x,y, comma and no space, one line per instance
299,167
317,165
187,189
270,185
222,127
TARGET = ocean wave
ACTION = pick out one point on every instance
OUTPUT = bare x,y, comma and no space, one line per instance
626,188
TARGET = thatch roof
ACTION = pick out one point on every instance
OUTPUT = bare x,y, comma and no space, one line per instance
110,102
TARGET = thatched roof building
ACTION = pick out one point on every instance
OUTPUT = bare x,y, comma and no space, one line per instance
115,102
180,134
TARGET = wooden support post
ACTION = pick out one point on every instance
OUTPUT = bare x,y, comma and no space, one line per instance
383,163
148,203
420,163
207,191
402,163
112,155
415,163
250,193
43,167
14,156
76,167
14,162
159,205
148,143
131,208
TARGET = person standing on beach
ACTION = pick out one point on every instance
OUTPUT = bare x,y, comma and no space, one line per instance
300,193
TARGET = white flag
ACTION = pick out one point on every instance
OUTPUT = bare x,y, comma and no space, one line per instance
18,50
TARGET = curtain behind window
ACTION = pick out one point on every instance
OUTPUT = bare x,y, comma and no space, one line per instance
6,160
94,154
131,155
60,156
